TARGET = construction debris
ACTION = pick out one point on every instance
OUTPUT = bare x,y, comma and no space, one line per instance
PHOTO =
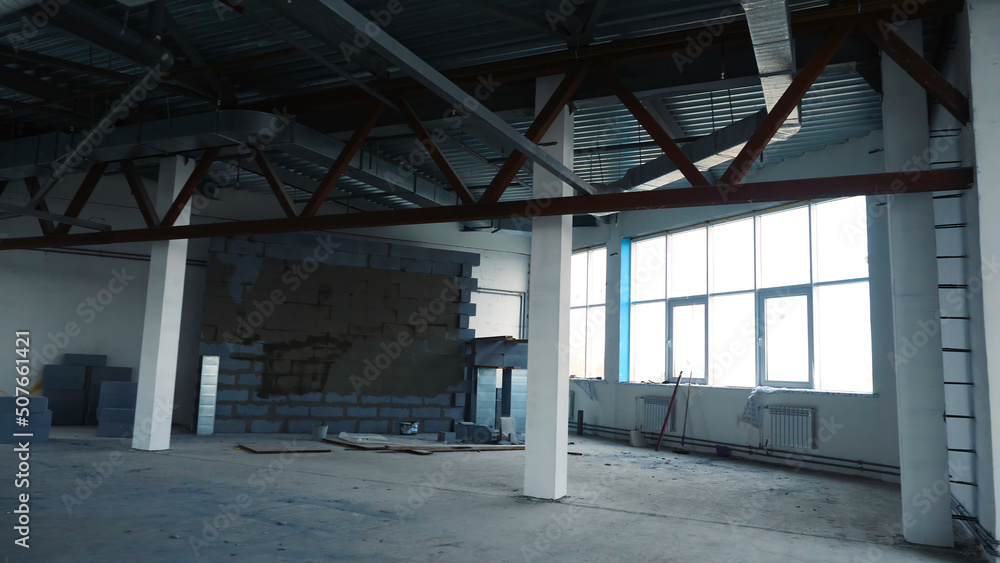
282,448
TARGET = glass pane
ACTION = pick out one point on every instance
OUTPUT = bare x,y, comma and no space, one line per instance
688,337
578,280
577,342
732,256
596,283
688,263
649,269
841,239
786,338
595,342
843,338
732,356
784,248
649,341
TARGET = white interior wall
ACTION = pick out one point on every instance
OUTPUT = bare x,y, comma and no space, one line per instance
857,427
45,289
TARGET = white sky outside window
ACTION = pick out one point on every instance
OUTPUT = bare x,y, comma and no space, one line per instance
578,280
784,248
687,336
649,269
648,341
597,276
577,342
595,342
732,256
732,355
786,338
687,263
843,338
841,239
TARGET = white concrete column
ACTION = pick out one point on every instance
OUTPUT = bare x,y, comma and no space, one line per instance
984,62
162,326
923,444
546,427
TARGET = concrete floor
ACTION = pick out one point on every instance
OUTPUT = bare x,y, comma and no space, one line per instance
206,500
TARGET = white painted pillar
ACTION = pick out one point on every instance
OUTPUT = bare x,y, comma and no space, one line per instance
984,63
923,444
162,326
546,427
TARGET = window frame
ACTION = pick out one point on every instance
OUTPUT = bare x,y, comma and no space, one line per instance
761,295
801,290
669,370
587,306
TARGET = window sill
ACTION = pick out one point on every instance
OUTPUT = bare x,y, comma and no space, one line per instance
774,389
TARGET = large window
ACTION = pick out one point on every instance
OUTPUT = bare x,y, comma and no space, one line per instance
778,298
588,284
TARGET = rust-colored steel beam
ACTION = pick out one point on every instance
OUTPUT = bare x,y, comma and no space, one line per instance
343,160
649,123
271,175
524,210
543,121
34,187
785,106
190,185
919,69
83,194
654,47
140,194
431,147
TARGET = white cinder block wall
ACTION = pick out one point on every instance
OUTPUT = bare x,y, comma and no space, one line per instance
43,291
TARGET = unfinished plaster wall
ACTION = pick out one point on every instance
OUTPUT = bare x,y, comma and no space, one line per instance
325,329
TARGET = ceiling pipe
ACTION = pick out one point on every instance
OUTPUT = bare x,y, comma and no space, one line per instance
8,7
771,37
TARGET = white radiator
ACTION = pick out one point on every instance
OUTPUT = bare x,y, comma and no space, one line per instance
653,411
791,427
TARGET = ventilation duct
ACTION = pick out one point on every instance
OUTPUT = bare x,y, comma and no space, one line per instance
10,6
771,35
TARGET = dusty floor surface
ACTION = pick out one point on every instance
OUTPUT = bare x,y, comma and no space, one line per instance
206,500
